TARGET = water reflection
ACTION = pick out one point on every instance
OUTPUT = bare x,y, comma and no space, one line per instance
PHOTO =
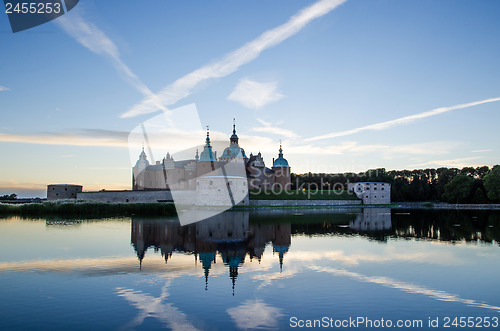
372,219
228,234
233,237
304,262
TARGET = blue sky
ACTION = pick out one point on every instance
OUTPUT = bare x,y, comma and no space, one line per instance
347,89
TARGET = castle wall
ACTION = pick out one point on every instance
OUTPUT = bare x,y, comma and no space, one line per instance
213,191
282,178
287,203
63,191
372,193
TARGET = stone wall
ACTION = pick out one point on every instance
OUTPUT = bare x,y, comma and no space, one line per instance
63,191
126,196
372,193
279,203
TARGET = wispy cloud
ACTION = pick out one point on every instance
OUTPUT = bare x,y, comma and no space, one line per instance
252,94
269,128
403,120
353,147
91,37
231,62
85,137
456,163
481,151
3,88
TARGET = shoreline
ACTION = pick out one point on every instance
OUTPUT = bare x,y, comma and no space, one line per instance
110,209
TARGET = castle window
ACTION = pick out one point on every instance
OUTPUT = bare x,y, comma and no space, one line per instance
211,182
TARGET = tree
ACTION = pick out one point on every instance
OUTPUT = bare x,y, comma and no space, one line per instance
492,184
13,196
458,190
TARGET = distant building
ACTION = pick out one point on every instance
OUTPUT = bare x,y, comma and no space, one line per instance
63,191
186,172
372,193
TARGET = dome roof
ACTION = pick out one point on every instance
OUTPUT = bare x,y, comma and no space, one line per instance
234,151
143,160
280,161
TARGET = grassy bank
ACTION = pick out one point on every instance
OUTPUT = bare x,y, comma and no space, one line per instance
88,209
303,195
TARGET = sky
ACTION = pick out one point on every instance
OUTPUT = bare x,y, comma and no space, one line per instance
345,85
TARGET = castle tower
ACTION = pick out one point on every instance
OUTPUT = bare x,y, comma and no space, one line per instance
207,159
282,171
234,150
138,171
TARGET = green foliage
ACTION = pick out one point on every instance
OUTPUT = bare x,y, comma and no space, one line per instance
88,209
410,185
492,184
12,196
458,190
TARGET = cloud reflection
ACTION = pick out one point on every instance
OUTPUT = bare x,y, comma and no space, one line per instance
150,306
406,287
255,314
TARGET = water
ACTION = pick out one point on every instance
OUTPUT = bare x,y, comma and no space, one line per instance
270,269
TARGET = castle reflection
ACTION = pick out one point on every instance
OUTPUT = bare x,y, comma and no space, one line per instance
229,234
233,236
372,219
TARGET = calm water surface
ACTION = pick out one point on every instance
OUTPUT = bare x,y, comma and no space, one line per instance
250,270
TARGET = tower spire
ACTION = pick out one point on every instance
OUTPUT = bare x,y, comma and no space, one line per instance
234,137
208,137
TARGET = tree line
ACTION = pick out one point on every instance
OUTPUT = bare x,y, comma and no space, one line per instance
453,185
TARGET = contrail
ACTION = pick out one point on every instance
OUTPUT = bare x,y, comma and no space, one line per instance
231,62
402,120
91,37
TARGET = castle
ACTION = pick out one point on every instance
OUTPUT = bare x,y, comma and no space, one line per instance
185,173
